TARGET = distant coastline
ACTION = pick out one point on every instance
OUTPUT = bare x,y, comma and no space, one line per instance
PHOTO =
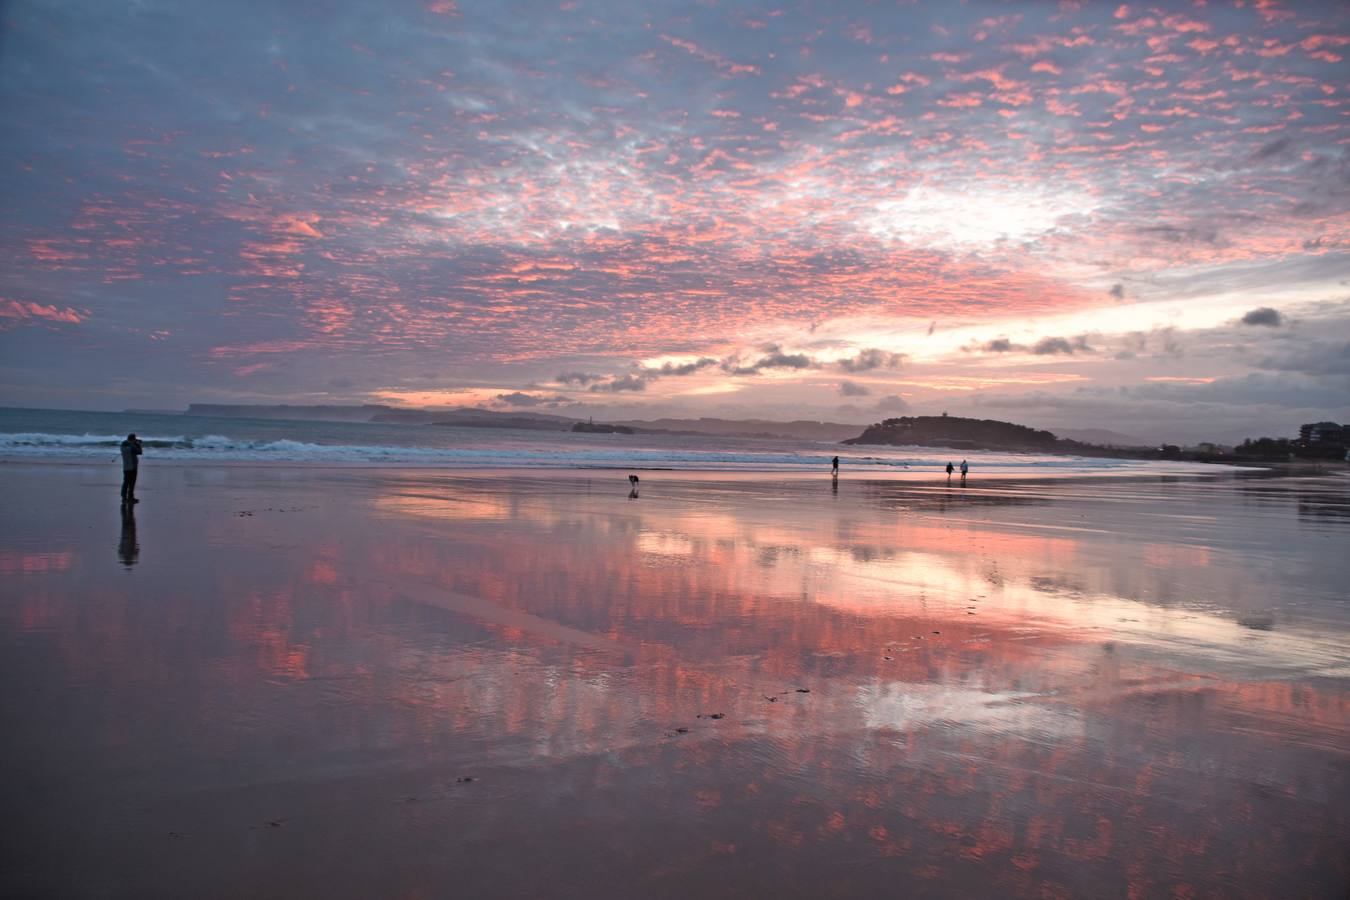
472,417
955,433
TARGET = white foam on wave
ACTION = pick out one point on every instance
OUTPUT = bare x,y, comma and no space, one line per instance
42,439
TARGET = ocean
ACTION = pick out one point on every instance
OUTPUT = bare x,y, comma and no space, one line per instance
73,436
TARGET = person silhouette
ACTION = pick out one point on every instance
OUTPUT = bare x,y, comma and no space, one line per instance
131,451
128,548
950,468
834,467
965,468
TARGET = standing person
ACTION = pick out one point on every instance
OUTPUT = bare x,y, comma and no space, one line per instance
834,467
964,469
131,451
950,468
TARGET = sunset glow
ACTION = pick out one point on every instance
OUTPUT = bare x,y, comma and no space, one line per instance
460,203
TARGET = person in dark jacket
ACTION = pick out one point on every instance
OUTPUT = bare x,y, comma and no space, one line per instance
131,452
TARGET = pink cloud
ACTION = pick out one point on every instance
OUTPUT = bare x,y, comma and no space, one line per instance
298,226
20,311
1184,25
961,101
225,351
253,369
725,65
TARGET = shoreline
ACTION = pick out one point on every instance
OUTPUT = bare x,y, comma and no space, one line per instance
872,474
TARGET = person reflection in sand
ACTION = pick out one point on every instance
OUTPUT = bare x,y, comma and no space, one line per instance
128,548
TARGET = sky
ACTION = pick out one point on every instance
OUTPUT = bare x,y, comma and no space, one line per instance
1068,215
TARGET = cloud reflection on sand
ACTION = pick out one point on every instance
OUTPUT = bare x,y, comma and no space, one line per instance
1053,577
959,692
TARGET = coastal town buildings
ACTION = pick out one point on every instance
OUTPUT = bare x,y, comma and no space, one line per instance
1322,433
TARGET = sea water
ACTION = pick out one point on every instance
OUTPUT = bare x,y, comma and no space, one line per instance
76,436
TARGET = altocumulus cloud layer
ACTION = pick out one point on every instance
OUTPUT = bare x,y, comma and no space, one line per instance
1074,211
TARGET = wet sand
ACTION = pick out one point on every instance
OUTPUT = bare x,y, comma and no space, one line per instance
280,682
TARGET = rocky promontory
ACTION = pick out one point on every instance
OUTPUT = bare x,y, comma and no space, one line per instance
961,433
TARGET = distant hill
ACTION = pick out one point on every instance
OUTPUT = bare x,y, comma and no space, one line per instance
468,417
362,413
800,430
978,434
373,412
474,417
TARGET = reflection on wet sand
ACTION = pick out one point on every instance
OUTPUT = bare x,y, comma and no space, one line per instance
731,688
128,548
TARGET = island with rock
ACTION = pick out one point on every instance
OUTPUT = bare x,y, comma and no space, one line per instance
981,434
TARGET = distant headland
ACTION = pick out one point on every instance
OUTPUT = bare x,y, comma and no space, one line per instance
974,434
1322,441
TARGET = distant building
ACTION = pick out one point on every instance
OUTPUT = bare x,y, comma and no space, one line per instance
1322,433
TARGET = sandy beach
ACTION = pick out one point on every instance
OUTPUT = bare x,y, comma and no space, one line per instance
296,681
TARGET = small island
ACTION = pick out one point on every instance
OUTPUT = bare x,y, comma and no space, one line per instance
973,434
